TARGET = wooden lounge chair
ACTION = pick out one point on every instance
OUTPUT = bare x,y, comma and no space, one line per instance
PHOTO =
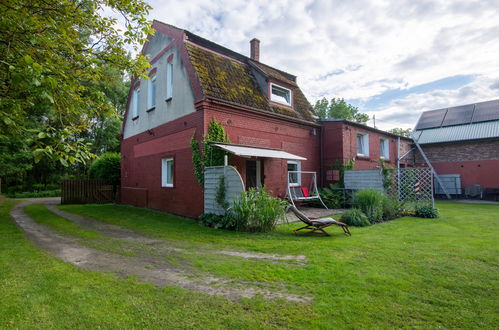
314,225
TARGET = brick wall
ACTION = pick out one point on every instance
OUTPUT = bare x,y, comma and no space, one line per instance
477,162
461,151
340,143
141,167
142,154
261,131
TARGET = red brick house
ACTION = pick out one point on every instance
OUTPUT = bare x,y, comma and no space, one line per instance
192,81
344,141
463,140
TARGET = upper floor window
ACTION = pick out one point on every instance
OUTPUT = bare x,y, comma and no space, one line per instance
169,80
151,93
384,151
280,94
362,144
135,102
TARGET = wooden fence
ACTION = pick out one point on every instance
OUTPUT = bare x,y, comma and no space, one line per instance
87,191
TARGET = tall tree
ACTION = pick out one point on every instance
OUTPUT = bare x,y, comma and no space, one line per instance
400,131
54,54
339,108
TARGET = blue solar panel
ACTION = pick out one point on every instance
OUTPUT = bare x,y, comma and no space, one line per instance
463,114
430,119
459,115
485,111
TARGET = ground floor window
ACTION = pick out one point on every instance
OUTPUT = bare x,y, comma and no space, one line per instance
167,172
383,149
362,145
294,178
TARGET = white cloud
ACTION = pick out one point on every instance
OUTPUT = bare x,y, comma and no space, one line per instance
360,49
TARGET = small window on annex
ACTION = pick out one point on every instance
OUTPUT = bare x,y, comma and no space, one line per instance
384,151
167,172
151,95
362,144
280,94
294,178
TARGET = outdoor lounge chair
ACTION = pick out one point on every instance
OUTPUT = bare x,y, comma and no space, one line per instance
314,225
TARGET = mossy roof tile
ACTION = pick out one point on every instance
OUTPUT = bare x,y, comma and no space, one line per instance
225,78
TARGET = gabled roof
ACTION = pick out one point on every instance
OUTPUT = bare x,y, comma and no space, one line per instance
476,121
363,126
226,75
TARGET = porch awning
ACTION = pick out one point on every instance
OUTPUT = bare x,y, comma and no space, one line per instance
246,151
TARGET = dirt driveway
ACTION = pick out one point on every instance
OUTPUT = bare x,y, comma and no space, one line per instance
149,265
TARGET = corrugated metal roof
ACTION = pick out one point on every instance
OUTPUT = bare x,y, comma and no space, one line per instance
474,131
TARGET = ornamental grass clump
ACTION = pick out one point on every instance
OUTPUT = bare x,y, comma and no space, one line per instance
392,208
255,211
370,202
355,217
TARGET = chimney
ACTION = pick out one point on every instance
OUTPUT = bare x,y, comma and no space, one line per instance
255,49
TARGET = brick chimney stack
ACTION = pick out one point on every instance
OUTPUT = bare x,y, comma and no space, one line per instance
255,49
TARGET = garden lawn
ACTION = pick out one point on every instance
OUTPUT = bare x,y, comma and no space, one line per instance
408,272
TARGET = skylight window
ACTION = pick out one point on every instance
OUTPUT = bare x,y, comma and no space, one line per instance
280,94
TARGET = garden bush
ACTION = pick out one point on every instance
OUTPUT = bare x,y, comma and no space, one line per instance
355,217
35,194
107,166
333,198
255,211
370,202
426,211
392,208
215,221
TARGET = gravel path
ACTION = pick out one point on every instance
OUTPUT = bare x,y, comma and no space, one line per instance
147,269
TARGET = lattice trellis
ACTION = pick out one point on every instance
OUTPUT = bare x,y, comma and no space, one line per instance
411,186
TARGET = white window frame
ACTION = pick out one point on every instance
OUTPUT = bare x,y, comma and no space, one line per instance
151,97
169,81
384,143
164,172
365,144
135,102
298,168
273,99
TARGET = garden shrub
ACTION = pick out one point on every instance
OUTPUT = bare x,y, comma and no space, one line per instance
35,194
370,202
214,221
426,211
392,208
255,211
38,187
333,199
355,217
107,166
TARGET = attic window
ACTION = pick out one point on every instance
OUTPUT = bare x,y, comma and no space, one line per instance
280,94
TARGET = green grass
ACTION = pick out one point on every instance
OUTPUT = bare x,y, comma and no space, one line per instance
43,216
39,291
410,272
36,194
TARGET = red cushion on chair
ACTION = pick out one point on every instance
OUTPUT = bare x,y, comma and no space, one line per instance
305,192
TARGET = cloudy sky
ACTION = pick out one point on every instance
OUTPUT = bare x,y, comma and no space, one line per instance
393,59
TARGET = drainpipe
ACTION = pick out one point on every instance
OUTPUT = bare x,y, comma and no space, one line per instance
398,152
321,156
398,168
